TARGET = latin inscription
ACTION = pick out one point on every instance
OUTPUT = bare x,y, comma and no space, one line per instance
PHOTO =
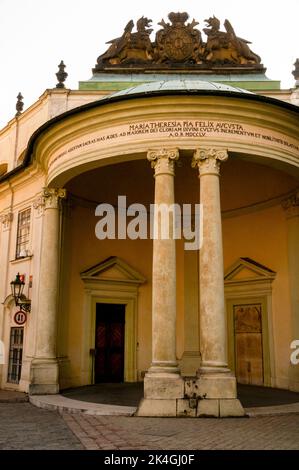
183,129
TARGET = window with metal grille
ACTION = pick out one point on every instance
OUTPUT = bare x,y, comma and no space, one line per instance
15,355
23,233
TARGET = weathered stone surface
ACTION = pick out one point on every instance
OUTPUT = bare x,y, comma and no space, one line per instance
217,387
230,408
44,377
148,407
191,388
208,408
185,408
212,304
164,387
164,277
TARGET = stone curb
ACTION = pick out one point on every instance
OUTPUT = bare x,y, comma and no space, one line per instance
292,408
67,405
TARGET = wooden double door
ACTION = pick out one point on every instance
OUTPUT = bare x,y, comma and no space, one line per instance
109,343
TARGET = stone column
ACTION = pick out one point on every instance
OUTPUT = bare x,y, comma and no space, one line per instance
216,382
44,368
163,384
6,219
291,207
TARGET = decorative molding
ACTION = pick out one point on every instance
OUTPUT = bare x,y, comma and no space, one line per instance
61,75
178,43
163,160
39,205
19,105
249,282
9,301
247,275
114,271
111,281
6,220
248,271
208,160
52,196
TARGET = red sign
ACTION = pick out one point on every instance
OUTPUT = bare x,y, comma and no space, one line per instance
20,317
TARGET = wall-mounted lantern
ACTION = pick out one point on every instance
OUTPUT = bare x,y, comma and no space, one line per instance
17,287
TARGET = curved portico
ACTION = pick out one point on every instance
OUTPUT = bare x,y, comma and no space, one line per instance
123,126
179,313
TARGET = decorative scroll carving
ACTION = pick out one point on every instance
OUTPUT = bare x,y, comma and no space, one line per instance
52,196
6,220
39,205
178,43
163,160
208,160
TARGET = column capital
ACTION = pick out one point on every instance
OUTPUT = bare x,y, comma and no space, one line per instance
163,160
291,205
52,196
6,220
208,160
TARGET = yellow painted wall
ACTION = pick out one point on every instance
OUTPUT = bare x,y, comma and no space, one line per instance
262,236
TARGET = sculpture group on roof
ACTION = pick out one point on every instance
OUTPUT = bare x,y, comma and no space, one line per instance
178,42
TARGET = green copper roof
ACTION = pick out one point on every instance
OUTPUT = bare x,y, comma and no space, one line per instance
115,82
173,85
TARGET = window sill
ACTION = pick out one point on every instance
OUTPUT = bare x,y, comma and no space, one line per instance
20,260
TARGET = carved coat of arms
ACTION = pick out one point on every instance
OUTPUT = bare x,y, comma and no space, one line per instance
178,42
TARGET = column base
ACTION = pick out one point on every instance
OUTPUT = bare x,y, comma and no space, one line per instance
213,368
223,408
216,389
215,385
162,408
212,396
44,377
163,386
193,408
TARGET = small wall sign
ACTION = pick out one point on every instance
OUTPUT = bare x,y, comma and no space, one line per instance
20,317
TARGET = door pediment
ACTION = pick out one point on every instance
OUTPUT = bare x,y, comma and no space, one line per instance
113,270
246,269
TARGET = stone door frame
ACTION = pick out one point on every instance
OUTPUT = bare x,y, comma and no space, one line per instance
256,288
111,290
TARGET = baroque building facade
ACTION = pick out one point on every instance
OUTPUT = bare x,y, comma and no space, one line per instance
178,120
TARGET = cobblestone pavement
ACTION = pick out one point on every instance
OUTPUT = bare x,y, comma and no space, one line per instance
111,432
24,427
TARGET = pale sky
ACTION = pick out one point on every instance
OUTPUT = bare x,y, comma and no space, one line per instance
36,34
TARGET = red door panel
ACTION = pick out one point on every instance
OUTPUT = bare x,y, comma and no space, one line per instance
109,343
